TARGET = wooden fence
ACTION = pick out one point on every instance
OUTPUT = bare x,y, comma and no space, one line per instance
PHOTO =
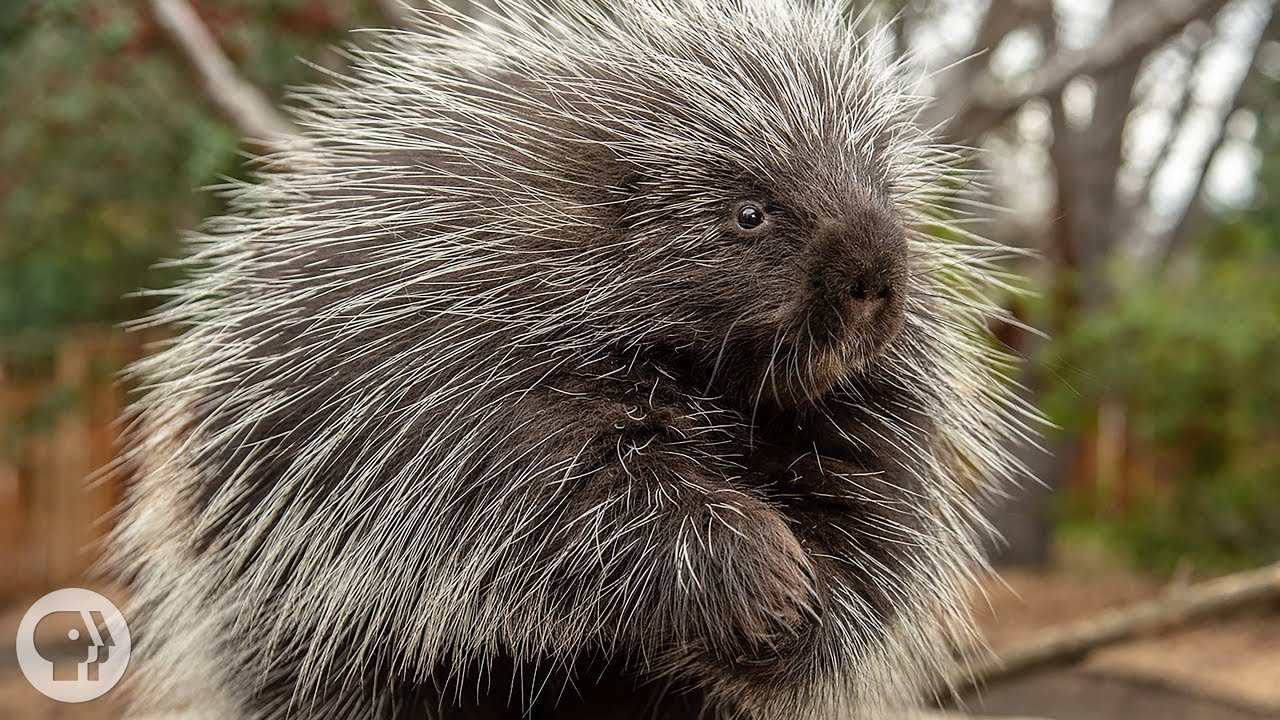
58,427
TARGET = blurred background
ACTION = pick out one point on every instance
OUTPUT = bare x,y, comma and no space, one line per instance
1135,144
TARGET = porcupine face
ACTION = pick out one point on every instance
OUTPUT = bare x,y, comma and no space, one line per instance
825,291
781,262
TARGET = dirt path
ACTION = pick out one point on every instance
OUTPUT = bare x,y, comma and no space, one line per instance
1224,670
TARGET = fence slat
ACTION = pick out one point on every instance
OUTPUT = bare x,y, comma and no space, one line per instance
50,517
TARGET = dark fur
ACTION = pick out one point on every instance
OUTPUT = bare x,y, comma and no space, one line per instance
652,421
765,589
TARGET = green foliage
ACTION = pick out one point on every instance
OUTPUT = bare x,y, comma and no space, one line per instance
106,144
1192,355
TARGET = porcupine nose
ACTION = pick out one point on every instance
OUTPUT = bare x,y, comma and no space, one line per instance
868,290
870,293
864,261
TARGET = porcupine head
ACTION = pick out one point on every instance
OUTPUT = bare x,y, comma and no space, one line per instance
586,346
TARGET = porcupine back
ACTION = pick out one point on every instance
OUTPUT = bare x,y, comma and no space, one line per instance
484,400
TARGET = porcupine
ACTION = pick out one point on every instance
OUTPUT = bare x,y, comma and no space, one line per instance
625,363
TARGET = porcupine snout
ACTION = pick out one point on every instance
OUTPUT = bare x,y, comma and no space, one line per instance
857,268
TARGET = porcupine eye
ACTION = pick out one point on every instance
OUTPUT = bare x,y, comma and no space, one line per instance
750,217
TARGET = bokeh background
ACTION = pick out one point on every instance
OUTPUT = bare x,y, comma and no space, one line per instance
1134,144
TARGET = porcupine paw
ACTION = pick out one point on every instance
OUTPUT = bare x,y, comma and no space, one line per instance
772,601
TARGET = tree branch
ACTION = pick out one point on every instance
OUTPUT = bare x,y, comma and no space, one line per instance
242,104
1181,109
1143,28
1076,639
1190,216
1001,18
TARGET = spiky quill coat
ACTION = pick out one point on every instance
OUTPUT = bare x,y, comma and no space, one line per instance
588,364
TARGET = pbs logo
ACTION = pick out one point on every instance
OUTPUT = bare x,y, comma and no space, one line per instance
73,645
